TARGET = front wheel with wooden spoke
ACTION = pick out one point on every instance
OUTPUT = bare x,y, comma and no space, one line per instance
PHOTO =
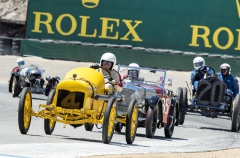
131,121
109,121
49,124
25,110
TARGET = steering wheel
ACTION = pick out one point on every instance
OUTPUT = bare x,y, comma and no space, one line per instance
205,69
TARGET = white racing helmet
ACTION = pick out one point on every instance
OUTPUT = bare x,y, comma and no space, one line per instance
133,67
110,58
198,62
20,62
225,66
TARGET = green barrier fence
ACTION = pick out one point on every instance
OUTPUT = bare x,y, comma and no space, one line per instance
124,56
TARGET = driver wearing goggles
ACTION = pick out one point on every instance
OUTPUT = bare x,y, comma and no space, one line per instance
108,61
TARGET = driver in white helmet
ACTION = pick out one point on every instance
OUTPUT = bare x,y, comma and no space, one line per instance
195,76
133,71
230,80
108,61
20,64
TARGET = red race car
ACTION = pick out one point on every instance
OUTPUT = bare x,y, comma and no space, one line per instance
157,106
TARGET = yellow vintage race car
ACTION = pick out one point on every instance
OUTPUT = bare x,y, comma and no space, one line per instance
80,99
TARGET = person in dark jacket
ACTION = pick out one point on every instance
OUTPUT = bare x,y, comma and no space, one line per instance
230,80
195,76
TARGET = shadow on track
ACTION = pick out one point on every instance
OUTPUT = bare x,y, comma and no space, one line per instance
208,128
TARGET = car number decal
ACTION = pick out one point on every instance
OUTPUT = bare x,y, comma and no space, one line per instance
211,93
165,105
69,101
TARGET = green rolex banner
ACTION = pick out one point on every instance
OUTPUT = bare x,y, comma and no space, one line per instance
189,25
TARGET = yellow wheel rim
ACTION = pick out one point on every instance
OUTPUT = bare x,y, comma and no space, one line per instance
134,120
27,110
112,118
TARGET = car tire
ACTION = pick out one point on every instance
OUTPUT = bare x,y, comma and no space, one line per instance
47,92
180,117
10,85
235,114
183,106
24,110
118,127
108,121
151,124
88,126
168,132
131,121
15,89
49,124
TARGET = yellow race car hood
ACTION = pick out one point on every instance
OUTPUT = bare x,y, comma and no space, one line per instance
87,75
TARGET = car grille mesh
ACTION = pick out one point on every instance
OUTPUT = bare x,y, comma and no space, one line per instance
122,106
70,100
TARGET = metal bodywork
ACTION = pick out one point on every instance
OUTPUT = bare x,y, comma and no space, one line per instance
150,94
79,99
30,76
210,100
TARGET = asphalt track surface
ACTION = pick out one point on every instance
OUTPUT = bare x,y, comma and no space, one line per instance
198,133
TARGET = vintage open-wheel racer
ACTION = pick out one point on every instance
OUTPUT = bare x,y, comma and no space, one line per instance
157,106
79,99
210,99
30,76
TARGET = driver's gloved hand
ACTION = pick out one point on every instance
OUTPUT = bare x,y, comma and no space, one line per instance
196,77
95,66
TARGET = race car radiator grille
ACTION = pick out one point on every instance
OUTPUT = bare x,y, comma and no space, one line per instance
70,100
122,106
211,92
